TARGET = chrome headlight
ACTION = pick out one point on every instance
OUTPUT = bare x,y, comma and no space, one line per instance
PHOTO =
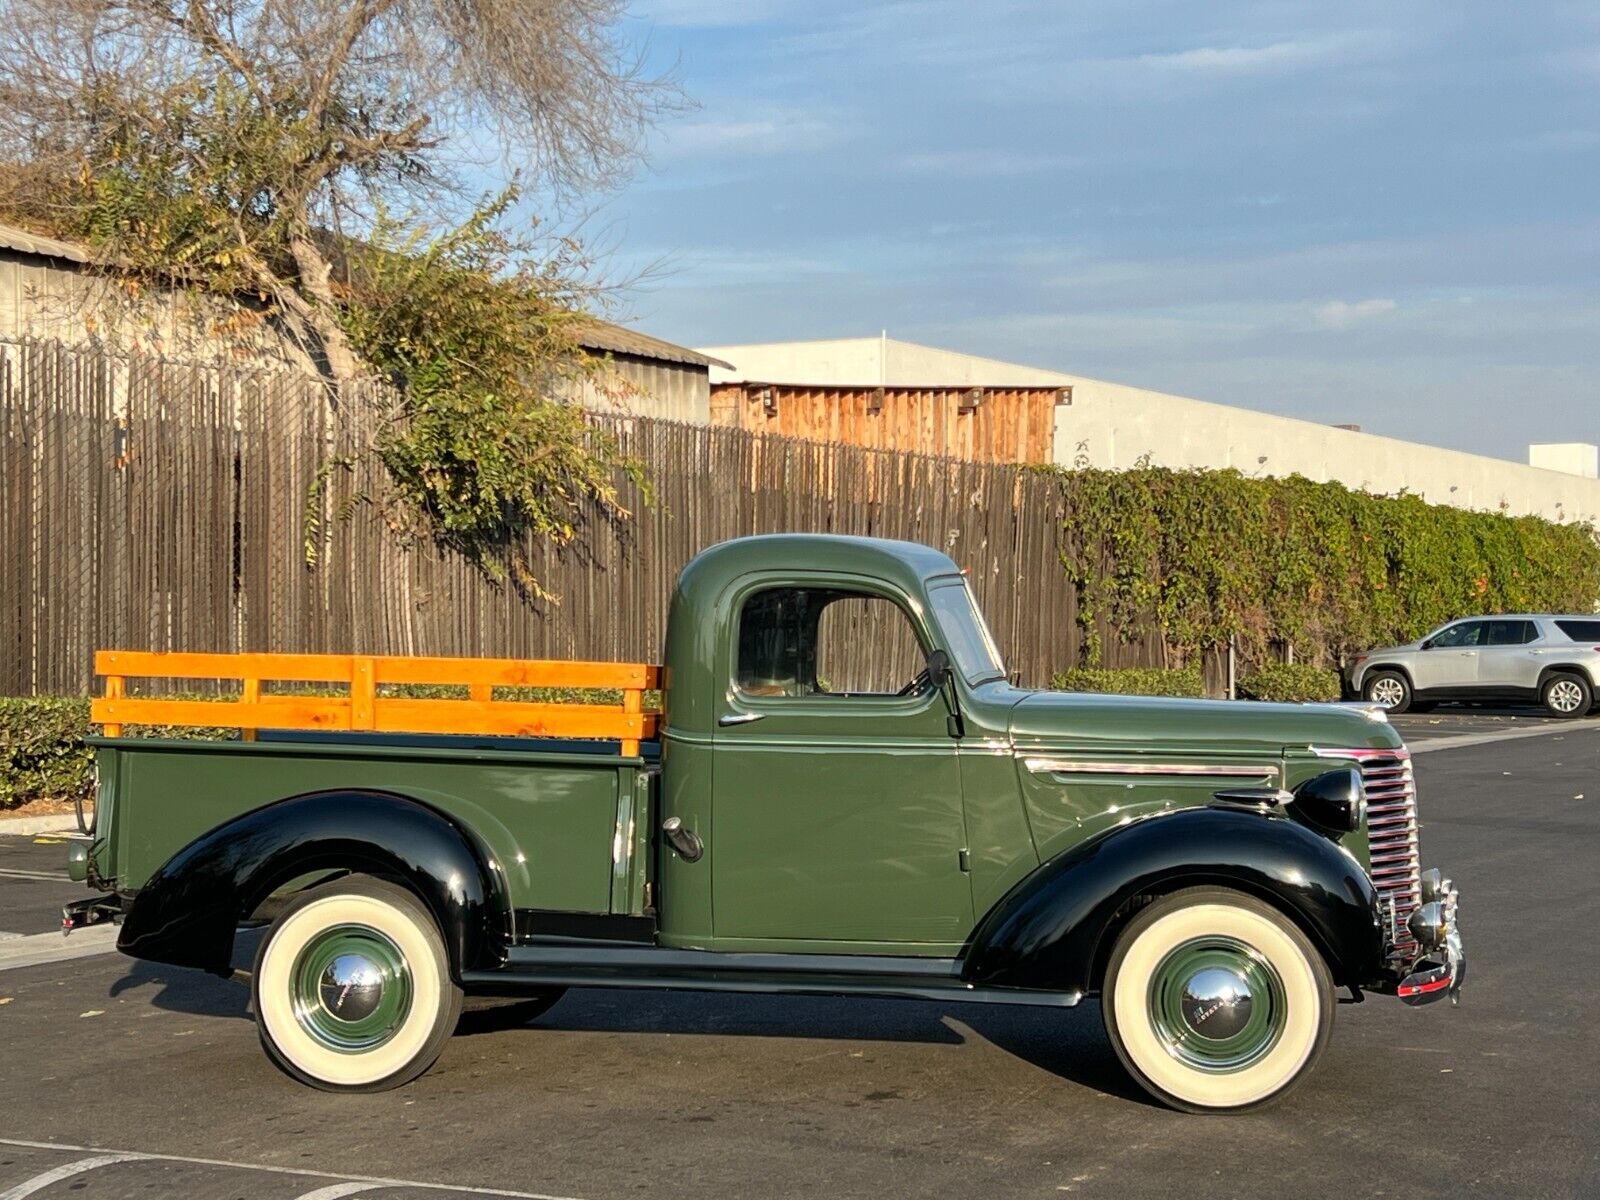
1428,925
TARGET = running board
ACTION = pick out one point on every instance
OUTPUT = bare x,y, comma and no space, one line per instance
627,966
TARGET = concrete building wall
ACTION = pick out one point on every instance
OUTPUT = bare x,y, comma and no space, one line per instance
1117,426
1574,458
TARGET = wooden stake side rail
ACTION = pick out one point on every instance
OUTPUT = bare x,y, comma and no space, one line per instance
364,709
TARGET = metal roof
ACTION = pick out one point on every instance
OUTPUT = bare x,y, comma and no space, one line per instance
592,334
595,334
20,240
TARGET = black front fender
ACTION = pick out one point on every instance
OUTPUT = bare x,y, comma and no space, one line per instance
189,909
1047,931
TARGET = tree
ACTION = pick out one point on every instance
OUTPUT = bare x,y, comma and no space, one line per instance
298,150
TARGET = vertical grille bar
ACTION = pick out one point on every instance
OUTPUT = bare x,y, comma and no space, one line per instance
1391,789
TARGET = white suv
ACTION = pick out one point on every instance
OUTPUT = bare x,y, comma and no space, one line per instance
1554,660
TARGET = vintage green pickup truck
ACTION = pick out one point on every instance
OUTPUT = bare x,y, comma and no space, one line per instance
846,796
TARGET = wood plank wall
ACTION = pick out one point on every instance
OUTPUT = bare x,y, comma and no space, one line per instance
1007,425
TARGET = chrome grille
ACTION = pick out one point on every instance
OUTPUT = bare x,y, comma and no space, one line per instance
1391,789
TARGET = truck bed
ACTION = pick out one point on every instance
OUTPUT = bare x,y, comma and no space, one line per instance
566,822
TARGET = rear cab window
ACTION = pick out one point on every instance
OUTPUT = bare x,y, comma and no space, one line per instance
1581,631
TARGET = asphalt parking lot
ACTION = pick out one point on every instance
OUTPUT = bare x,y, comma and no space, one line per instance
678,1095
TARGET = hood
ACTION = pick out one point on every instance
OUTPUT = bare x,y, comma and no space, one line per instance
1082,720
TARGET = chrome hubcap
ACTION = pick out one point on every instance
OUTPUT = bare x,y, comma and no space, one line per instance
352,988
1565,696
1216,1004
1387,692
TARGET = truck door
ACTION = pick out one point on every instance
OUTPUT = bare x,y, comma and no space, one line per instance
837,809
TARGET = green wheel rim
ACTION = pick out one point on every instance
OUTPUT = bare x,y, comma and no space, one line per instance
1216,1004
352,988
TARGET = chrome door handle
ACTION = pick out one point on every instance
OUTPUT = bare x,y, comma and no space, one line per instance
739,718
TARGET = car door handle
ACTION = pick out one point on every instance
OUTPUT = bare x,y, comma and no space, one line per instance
739,718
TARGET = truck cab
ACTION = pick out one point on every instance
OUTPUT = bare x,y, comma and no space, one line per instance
844,793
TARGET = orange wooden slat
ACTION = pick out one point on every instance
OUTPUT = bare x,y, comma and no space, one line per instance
309,668
338,668
388,715
509,672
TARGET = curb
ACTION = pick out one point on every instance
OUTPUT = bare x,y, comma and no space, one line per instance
64,823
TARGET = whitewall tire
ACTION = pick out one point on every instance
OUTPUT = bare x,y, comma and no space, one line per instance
352,987
1214,1001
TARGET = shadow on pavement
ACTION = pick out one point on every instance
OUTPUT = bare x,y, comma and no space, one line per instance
178,989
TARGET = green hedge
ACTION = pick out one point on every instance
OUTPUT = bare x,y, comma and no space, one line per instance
42,755
1291,682
1212,555
1132,681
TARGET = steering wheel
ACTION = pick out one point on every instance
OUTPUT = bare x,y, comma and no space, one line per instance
916,685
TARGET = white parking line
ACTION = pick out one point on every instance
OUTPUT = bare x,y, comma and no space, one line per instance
56,1174
38,948
1503,735
336,1190
368,1182
19,873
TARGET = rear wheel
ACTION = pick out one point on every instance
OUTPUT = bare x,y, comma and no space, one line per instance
1215,1002
1566,695
352,987
1389,689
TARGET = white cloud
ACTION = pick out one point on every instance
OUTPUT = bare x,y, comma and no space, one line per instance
984,162
1341,314
1274,58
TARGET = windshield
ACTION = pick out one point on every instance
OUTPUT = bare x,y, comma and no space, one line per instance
968,639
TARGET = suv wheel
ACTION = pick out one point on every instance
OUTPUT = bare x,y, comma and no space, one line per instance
1215,1002
1566,695
1390,689
352,987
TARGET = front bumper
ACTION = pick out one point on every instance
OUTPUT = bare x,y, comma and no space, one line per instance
1441,968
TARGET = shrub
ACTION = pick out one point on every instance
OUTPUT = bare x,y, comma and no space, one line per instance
42,755
1291,682
1132,681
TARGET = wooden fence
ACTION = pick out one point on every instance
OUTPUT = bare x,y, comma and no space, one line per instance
149,505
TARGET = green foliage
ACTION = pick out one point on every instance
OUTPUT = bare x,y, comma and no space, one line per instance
42,755
483,342
1131,681
1292,682
1212,555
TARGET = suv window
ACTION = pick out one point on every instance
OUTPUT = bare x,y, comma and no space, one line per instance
825,641
1464,634
1509,633
1581,631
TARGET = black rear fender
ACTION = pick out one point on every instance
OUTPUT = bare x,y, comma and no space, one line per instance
1054,929
189,909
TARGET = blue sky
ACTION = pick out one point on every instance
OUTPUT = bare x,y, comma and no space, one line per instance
1373,213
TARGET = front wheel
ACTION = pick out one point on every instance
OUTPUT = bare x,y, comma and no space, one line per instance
1566,695
1388,689
1215,1002
352,987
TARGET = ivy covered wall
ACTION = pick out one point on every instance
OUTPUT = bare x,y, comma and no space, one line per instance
1209,555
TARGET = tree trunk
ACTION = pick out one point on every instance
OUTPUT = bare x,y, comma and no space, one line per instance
315,275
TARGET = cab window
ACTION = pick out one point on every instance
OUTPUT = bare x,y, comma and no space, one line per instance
1464,634
1509,633
796,641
